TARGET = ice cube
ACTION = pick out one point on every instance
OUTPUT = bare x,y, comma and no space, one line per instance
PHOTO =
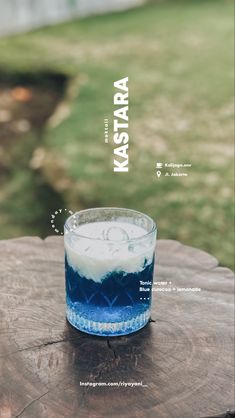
115,233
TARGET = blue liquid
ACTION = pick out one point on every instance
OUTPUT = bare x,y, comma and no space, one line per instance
112,307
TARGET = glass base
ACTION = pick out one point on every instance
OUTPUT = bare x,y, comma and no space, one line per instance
107,329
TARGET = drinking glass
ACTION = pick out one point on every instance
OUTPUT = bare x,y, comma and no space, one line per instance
109,262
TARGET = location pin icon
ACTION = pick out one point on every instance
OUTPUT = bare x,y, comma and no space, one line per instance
158,173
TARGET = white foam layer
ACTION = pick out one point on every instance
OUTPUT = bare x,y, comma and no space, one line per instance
109,249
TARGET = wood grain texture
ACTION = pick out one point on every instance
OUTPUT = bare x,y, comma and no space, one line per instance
185,357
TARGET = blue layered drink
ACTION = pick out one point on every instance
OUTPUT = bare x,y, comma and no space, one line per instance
109,260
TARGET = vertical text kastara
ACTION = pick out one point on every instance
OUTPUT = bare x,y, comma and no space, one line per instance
120,126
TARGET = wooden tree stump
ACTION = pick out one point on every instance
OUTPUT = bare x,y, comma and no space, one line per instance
184,357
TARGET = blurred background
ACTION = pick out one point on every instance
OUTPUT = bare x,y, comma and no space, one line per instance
58,62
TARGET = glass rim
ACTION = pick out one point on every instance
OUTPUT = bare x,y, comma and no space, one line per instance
70,230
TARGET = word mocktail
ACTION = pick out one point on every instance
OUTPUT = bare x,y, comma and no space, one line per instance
120,126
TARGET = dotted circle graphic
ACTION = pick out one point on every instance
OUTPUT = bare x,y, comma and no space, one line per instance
53,219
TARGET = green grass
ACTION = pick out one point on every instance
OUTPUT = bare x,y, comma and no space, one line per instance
178,56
